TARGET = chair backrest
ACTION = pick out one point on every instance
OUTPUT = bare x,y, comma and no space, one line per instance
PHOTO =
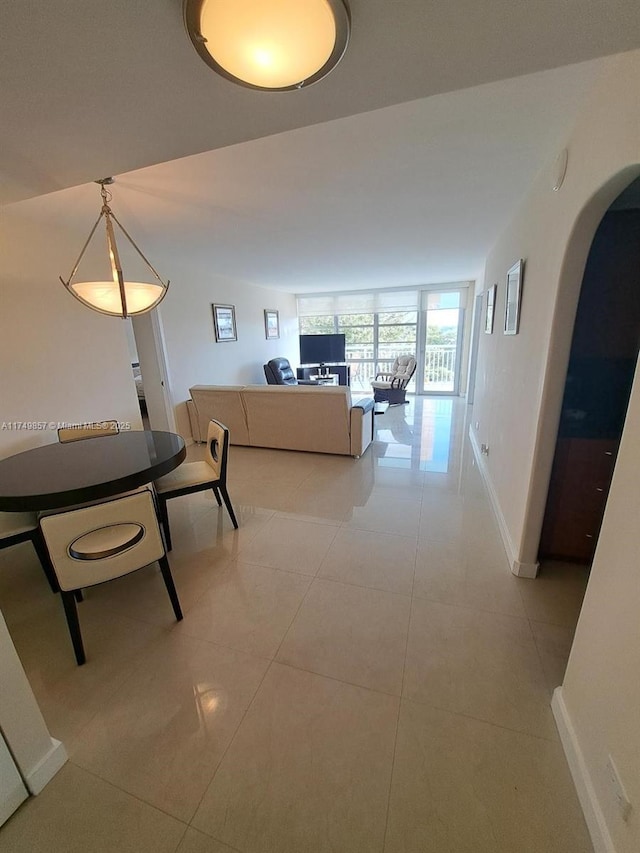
217,449
97,543
78,432
404,367
404,364
278,372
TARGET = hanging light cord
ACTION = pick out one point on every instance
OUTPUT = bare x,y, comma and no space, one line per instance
106,198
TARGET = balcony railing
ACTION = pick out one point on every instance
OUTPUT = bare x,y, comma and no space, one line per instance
440,367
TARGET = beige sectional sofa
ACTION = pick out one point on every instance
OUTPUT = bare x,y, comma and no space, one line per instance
287,417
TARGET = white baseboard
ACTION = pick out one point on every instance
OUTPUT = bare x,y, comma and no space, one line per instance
522,570
593,815
47,767
525,570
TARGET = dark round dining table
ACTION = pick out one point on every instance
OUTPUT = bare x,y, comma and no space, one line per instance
60,475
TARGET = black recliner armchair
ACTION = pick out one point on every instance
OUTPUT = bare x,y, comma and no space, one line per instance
278,371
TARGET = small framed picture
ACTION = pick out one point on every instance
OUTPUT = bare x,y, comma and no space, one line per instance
271,324
489,309
224,322
514,297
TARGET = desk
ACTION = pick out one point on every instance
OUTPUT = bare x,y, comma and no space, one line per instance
60,475
325,379
343,371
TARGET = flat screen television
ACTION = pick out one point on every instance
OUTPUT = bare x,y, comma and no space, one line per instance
322,349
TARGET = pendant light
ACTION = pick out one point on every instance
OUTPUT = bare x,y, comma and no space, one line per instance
116,298
273,45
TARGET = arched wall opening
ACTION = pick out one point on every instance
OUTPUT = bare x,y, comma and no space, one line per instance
568,294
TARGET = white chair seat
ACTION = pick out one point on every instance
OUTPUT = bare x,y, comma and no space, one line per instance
14,523
185,475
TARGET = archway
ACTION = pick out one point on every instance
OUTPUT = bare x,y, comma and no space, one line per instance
602,362
568,294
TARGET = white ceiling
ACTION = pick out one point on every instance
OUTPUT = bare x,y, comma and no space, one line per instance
364,193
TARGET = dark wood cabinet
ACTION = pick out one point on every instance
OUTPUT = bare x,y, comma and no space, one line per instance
603,358
580,480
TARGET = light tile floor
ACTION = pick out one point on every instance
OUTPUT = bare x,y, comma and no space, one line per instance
357,669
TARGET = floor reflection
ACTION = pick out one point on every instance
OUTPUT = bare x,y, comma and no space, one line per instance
424,434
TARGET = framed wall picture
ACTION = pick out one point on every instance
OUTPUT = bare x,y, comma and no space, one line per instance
271,324
514,297
224,322
490,309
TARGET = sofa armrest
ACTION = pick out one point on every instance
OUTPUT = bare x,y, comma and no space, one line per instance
364,403
193,421
361,424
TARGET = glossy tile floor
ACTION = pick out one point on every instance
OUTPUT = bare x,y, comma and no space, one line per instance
357,669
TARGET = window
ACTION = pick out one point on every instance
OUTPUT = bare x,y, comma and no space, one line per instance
427,322
359,333
317,325
373,340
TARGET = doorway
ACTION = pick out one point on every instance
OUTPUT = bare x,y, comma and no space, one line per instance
150,371
602,362
441,333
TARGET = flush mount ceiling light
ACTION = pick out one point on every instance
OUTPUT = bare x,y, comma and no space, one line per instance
117,298
273,45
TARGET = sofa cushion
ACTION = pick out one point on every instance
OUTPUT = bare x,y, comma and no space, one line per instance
225,404
299,417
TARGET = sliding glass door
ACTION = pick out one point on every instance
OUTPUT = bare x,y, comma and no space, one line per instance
442,324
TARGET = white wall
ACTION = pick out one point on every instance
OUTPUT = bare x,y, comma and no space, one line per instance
60,361
131,341
194,357
37,755
465,353
601,690
519,388
520,379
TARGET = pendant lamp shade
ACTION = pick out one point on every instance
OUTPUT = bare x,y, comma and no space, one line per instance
104,296
117,297
275,45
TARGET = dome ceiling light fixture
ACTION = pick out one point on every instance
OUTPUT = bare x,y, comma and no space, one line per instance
116,298
271,45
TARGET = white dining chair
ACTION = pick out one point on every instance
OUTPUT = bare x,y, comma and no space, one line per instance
98,543
193,477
